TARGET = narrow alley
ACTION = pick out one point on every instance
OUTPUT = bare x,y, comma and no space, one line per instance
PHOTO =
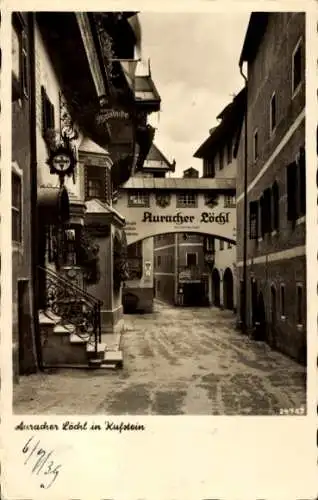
176,361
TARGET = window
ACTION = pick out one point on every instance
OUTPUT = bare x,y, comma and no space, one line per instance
267,210
208,168
97,183
229,201
229,245
186,199
229,151
19,58
282,301
159,260
275,199
16,208
158,286
209,245
221,159
273,112
138,199
70,246
221,245
255,146
296,187
299,301
291,192
134,250
253,220
16,50
297,67
48,119
191,259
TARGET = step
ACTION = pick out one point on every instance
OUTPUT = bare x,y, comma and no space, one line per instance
113,358
79,339
90,350
64,329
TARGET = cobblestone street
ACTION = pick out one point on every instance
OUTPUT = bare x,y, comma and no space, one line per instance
176,361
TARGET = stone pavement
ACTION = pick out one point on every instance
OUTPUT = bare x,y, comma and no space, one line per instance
176,361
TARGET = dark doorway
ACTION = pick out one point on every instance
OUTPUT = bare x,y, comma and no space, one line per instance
260,323
272,339
228,289
193,294
254,300
27,361
216,288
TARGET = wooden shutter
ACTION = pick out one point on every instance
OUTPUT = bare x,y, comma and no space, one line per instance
291,191
302,183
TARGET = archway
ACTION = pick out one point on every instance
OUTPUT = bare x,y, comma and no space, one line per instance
216,287
228,289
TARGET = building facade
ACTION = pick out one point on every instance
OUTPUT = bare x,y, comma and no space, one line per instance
138,291
181,272
271,188
219,155
79,131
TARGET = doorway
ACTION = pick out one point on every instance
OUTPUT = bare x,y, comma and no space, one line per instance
273,317
228,289
216,288
261,319
27,361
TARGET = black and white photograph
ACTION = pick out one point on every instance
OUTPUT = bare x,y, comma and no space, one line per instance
159,213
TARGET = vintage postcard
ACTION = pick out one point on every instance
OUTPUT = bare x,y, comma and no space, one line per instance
159,250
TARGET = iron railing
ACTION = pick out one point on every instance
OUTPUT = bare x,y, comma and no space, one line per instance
73,305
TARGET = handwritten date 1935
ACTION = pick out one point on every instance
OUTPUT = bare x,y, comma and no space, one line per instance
41,463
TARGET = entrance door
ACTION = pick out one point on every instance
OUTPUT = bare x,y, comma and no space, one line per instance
228,289
216,288
273,317
254,300
27,363
261,319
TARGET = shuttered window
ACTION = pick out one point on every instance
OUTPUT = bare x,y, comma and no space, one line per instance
48,120
292,191
275,199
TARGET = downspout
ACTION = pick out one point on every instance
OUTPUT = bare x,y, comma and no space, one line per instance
34,210
244,291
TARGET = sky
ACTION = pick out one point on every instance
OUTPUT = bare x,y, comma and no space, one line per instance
194,65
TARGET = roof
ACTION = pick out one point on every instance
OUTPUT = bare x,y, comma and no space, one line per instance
254,34
89,146
174,183
96,206
145,89
232,118
156,155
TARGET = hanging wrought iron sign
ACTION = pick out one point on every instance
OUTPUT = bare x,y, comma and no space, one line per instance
62,161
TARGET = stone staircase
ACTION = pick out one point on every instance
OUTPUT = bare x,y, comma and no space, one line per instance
64,347
70,328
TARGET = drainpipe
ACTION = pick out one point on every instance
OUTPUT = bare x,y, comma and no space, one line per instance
244,291
33,187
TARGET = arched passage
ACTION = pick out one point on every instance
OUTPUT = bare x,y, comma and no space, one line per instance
216,287
228,289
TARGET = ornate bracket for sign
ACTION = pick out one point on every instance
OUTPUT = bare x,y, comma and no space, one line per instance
62,161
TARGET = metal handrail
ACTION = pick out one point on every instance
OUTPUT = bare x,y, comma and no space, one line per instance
68,283
73,305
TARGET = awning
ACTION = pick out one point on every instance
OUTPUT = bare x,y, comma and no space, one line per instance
53,205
